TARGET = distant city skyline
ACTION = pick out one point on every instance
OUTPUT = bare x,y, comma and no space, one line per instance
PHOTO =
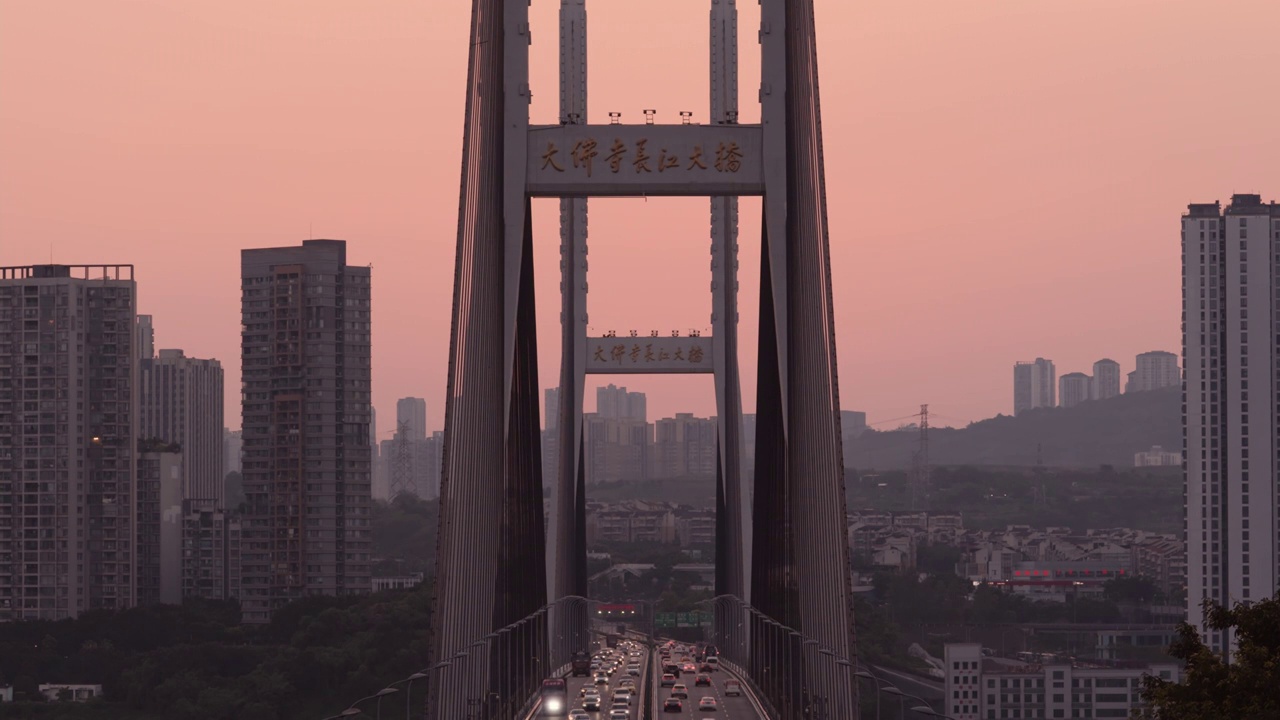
931,148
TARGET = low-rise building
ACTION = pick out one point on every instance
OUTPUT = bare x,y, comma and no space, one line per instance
1157,457
696,526
1059,580
980,686
61,692
633,521
397,582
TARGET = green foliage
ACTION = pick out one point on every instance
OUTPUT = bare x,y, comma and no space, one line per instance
196,662
937,558
1249,687
1130,589
404,535
992,498
1100,432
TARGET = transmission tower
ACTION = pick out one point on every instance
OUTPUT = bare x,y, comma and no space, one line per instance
402,479
920,475
1038,489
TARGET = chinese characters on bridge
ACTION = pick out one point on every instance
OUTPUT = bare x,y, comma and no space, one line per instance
636,353
638,157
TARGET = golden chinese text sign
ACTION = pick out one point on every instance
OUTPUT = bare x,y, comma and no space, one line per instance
603,160
609,355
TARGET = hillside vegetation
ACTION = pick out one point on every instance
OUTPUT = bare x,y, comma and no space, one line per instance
1100,432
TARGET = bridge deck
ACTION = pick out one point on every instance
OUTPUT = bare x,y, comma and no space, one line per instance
728,707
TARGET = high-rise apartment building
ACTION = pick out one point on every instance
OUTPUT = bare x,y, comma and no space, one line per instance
1033,385
616,448
1231,400
68,440
180,401
852,424
410,466
210,551
1154,370
684,445
232,449
551,436
1106,379
159,512
412,412
306,412
146,338
616,403
1074,388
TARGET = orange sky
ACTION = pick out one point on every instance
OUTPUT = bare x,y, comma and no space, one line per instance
1005,176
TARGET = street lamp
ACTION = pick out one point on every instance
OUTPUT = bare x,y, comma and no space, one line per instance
408,695
868,676
354,710
381,694
902,698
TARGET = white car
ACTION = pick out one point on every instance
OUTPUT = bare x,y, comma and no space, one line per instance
707,703
619,714
579,714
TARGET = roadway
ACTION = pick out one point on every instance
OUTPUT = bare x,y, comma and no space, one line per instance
728,708
737,707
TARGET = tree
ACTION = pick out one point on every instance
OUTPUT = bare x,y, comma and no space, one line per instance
1130,588
1211,688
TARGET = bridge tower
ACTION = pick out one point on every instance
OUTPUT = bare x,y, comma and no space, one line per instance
786,552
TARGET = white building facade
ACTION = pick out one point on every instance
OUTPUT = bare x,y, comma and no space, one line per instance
1154,370
979,687
1106,379
1034,385
1074,388
1231,422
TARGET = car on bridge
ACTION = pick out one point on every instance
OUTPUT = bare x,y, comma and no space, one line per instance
707,704
732,687
680,690
702,681
617,714
579,714
672,704
668,680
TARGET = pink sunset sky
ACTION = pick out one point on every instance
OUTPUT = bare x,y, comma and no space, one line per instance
1005,177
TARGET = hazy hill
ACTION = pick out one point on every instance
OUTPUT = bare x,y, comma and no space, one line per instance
1100,432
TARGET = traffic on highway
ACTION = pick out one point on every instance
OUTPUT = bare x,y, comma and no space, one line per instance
609,684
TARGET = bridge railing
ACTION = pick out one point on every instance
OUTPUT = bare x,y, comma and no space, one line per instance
795,677
499,676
